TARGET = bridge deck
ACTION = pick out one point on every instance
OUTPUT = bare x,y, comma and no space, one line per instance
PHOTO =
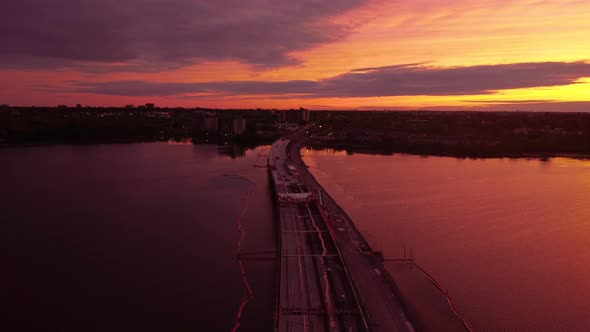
315,292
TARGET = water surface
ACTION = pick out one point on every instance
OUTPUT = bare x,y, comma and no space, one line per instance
509,238
132,237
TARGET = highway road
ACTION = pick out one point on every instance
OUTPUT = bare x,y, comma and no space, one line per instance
315,291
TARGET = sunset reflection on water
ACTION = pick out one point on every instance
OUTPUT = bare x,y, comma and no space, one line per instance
507,237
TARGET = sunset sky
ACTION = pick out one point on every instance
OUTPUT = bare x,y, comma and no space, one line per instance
319,54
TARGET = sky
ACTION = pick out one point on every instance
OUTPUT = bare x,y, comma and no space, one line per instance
318,54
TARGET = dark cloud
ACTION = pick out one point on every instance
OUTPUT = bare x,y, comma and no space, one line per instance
144,88
164,33
407,80
539,106
507,101
494,106
401,80
128,88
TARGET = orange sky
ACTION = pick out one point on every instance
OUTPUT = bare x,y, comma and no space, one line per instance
431,34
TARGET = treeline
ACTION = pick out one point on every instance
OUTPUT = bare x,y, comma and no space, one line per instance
467,134
57,125
32,125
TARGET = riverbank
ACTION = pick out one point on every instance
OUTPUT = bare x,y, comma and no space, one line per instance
455,134
372,149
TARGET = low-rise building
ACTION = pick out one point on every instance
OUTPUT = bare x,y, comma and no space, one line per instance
295,116
239,126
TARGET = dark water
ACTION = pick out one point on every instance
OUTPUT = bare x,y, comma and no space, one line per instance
510,239
132,237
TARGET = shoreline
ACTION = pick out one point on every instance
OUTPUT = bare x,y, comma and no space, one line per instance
337,147
378,151
7,145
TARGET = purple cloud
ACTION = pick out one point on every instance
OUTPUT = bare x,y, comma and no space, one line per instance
401,80
407,80
164,33
145,88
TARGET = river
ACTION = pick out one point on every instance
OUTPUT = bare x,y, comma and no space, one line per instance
133,237
508,238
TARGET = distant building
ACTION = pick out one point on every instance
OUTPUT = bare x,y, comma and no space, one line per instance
306,115
238,126
210,124
224,126
205,122
150,106
294,116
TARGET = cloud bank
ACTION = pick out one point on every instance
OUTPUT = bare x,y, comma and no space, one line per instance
154,34
399,80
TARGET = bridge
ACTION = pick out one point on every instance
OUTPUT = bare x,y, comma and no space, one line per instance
326,282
